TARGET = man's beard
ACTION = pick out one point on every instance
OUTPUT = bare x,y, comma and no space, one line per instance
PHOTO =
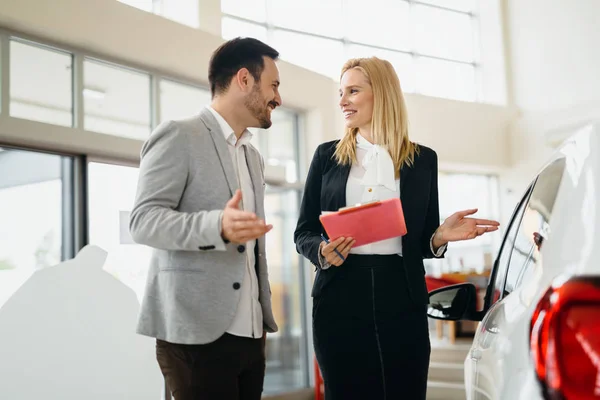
255,104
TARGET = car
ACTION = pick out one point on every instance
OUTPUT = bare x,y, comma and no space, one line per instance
539,330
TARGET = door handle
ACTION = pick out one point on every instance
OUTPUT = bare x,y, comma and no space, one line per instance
475,355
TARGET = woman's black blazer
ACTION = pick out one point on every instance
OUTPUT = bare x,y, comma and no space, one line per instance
325,190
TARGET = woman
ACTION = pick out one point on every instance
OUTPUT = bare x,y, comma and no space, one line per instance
369,308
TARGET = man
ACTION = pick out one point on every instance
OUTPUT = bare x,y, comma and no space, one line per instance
200,205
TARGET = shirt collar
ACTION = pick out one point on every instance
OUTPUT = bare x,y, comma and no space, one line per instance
227,130
378,165
363,143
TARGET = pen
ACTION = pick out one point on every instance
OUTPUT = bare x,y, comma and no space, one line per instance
336,250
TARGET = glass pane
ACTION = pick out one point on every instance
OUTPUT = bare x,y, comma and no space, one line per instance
254,10
535,228
284,371
231,28
145,5
183,11
41,84
322,17
445,79
320,55
116,101
383,23
403,63
258,140
0,73
31,204
504,255
471,256
181,101
111,190
481,189
442,33
278,147
282,139
461,5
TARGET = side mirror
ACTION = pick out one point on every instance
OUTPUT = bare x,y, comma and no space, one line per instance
454,302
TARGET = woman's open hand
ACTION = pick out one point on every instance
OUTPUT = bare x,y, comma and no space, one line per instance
459,227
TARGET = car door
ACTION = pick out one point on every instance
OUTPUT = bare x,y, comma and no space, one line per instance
501,349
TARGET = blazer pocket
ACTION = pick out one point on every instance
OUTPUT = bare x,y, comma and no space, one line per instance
188,261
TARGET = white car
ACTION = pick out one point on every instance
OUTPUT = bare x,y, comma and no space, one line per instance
539,335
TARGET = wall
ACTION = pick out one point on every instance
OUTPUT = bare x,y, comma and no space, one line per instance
458,131
552,48
75,320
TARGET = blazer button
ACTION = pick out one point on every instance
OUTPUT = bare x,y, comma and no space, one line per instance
236,285
241,248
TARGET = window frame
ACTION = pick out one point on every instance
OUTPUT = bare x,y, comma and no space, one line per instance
527,262
517,217
85,146
271,27
7,57
501,271
73,201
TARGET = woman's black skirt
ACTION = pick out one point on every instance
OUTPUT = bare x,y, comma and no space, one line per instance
371,340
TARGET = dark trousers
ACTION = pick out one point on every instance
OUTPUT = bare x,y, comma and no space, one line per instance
371,339
230,368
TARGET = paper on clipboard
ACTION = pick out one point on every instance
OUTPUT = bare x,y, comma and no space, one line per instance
367,222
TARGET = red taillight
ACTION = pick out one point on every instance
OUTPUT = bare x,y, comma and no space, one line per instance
565,339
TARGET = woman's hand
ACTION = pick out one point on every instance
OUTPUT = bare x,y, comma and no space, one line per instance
341,244
459,227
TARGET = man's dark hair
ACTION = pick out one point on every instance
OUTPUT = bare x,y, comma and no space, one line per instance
234,55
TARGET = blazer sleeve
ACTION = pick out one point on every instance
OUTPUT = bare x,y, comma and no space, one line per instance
432,219
163,175
307,235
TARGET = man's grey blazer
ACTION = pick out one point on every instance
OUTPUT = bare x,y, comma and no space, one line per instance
186,178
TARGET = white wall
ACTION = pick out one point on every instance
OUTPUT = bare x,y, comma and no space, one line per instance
552,48
68,333
460,132
554,53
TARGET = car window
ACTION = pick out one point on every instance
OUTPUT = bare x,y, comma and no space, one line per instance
534,228
498,276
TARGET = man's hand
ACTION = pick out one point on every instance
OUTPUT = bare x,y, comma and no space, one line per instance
241,226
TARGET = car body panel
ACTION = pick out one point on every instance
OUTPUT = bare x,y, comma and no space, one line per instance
499,365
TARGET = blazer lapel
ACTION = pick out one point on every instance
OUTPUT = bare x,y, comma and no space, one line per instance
221,147
405,173
253,163
344,172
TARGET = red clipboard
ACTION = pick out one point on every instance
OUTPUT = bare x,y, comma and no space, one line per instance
367,222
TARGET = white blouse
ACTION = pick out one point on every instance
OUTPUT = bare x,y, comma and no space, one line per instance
372,178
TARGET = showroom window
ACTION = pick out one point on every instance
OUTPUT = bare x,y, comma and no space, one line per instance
432,44
116,100
41,83
471,256
178,100
115,103
111,193
36,213
287,360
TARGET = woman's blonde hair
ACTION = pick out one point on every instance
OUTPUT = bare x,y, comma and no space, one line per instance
389,124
